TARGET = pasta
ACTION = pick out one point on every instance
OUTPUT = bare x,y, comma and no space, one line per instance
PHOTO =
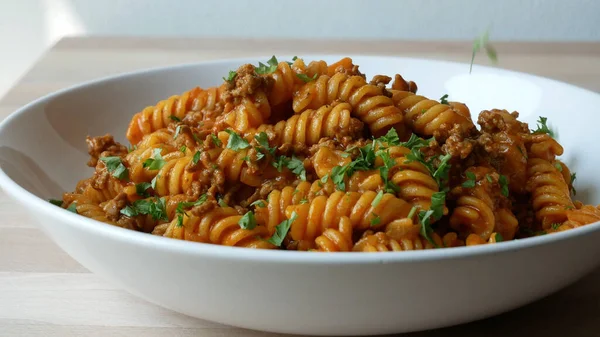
312,157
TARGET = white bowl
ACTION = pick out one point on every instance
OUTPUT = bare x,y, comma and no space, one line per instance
42,154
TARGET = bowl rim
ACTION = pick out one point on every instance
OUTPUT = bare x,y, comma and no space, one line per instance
109,232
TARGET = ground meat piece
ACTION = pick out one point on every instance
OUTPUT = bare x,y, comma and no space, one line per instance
113,207
457,145
103,146
246,83
205,207
380,80
492,121
402,85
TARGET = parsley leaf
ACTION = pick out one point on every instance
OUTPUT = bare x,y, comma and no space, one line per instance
115,166
325,178
73,208
281,230
236,142
483,42
375,220
259,203
470,182
303,201
391,137
305,78
55,202
263,141
542,127
489,178
384,171
294,164
182,149
556,225
558,166
416,142
196,158
412,212
177,132
230,77
156,162
573,177
294,58
155,208
444,99
297,167
264,69
222,203
377,199
216,140
175,118
153,182
141,188
248,221
435,212
499,237
503,181
337,176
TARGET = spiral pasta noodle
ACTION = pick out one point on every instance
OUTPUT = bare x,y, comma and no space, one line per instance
313,157
368,102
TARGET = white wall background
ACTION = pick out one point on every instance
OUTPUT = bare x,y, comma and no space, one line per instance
27,27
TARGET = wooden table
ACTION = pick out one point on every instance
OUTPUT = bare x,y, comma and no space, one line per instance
43,292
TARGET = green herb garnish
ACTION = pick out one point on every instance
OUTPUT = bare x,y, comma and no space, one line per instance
264,69
248,221
375,220
230,77
542,127
305,78
155,208
174,118
259,203
483,42
56,202
156,162
444,99
499,237
196,158
377,199
281,230
503,181
177,131
435,212
72,208
216,140
573,177
470,182
115,166
141,188
236,142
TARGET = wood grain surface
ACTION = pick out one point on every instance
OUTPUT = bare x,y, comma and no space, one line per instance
44,292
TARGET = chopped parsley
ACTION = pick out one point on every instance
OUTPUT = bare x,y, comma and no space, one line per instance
573,177
324,178
115,166
337,176
154,207
558,166
503,181
435,212
156,162
498,237
384,171
177,132
412,212
483,42
293,164
132,148
470,182
281,230
222,203
444,99
415,142
236,142
294,58
263,148
391,137
153,181
216,140
259,203
555,225
542,127
72,208
305,78
269,68
375,220
303,201
377,199
196,158
56,202
175,118
522,152
182,149
230,77
489,178
248,221
141,188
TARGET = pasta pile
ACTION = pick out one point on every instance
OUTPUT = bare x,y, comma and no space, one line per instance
314,157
